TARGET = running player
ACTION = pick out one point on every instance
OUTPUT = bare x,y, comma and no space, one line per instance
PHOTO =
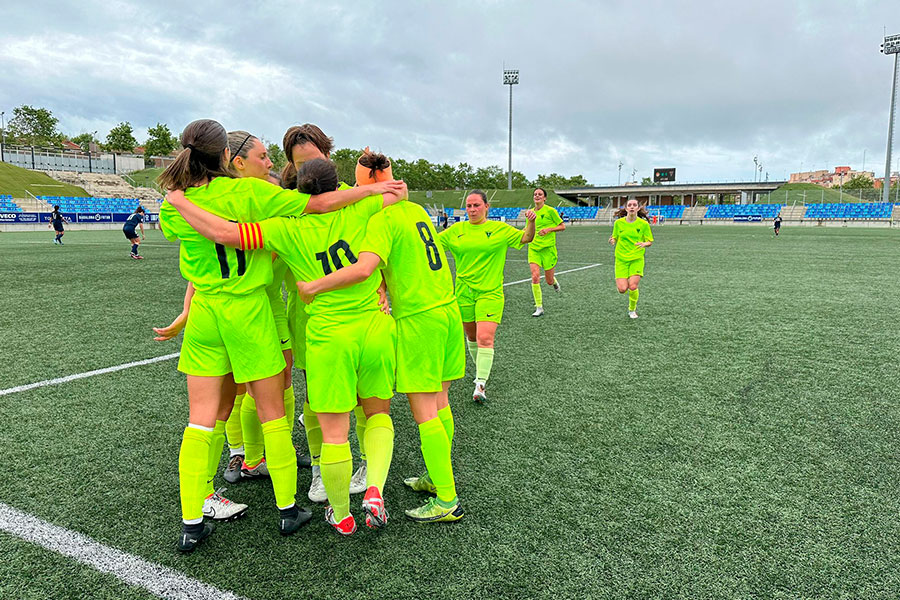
56,222
231,333
631,236
542,250
430,350
135,219
479,247
777,224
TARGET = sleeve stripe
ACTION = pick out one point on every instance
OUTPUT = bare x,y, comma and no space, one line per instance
243,240
258,234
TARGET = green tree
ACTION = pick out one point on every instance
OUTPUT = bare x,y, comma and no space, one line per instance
648,181
121,138
554,180
345,160
276,155
34,126
160,141
859,182
84,140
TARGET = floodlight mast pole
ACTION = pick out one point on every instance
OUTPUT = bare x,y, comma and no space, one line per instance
510,78
886,188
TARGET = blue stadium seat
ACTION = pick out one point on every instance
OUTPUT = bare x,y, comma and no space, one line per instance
849,210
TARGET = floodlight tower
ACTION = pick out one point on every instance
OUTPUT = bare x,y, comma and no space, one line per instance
891,45
3,129
510,78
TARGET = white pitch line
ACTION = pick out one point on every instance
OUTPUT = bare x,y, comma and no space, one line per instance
560,273
158,580
68,378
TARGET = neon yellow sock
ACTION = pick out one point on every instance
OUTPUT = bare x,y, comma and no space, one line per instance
215,455
253,433
233,426
290,407
380,449
361,430
473,350
193,462
281,458
633,298
313,434
446,417
337,469
436,452
538,294
484,363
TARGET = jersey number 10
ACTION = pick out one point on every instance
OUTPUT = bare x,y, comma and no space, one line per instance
335,257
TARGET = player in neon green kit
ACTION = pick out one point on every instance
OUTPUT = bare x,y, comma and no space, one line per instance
479,247
303,143
542,250
230,336
631,236
350,342
249,158
430,349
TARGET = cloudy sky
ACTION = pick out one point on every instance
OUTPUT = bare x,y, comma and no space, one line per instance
697,85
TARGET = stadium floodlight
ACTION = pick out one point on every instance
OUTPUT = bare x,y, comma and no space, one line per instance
891,45
3,130
619,180
510,78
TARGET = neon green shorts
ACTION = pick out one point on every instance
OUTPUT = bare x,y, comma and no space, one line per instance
281,323
545,258
227,333
628,268
431,349
475,305
296,320
349,355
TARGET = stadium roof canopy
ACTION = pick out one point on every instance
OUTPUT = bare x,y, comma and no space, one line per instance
587,194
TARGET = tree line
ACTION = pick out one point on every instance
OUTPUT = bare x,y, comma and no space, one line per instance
38,127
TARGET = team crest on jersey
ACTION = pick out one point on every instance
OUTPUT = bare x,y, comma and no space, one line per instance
488,233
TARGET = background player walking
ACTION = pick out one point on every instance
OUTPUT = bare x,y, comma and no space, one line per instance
134,220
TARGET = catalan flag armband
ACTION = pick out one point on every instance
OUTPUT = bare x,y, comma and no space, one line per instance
251,236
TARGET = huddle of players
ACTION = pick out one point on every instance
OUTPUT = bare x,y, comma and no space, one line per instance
351,358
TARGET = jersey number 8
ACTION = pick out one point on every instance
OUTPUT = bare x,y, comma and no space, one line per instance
431,249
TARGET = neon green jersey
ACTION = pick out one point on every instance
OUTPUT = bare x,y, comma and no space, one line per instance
415,269
546,217
211,267
315,245
480,251
627,235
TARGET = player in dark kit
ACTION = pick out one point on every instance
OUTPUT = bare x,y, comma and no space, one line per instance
777,225
56,222
135,219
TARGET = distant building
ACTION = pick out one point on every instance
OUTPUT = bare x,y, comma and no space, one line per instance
839,176
895,181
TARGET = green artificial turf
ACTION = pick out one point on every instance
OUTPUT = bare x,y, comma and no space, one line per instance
738,440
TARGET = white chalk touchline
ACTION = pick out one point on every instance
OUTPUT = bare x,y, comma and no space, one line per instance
560,273
68,378
158,580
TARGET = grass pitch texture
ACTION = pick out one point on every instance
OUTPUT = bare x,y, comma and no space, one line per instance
17,182
737,440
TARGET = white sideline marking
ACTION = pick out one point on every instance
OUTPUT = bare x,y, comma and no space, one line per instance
158,580
68,378
560,273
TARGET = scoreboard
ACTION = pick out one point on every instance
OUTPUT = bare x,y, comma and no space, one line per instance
660,175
